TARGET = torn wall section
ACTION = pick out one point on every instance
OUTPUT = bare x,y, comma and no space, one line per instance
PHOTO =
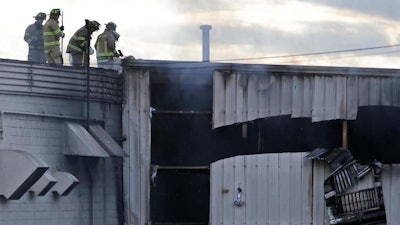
353,192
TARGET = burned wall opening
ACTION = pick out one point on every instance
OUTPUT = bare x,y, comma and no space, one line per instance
375,134
184,144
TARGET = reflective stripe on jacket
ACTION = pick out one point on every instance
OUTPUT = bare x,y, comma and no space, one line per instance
51,34
78,43
105,45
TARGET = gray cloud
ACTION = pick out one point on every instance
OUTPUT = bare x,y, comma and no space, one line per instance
201,5
383,8
317,37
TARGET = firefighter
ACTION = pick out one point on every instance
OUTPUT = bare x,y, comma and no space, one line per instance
78,44
105,47
34,37
52,33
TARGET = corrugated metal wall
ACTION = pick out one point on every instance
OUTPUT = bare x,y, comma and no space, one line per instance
276,189
245,96
391,187
284,189
58,82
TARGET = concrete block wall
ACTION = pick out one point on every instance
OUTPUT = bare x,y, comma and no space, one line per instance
96,199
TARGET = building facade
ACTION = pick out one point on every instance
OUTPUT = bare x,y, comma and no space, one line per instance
91,146
53,170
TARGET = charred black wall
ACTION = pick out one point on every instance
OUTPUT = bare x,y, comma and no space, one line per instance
376,134
182,137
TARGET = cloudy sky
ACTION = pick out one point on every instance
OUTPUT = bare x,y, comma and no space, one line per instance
243,31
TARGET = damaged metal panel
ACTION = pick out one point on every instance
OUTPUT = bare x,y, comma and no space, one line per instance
261,189
287,188
346,201
241,96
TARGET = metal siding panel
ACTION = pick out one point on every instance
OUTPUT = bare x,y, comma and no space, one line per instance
306,190
307,96
340,102
263,99
229,196
385,91
318,99
230,99
277,189
63,82
319,174
319,95
252,198
329,103
218,99
395,197
284,183
262,189
240,109
351,97
295,189
240,182
273,177
387,192
216,182
274,95
286,95
252,97
391,186
273,195
297,97
363,91
374,84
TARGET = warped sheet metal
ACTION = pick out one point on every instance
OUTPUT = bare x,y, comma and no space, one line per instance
320,95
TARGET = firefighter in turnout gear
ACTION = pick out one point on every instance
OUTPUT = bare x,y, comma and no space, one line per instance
52,33
78,44
105,47
34,37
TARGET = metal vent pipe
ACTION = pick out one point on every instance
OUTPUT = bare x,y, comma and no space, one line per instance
206,42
